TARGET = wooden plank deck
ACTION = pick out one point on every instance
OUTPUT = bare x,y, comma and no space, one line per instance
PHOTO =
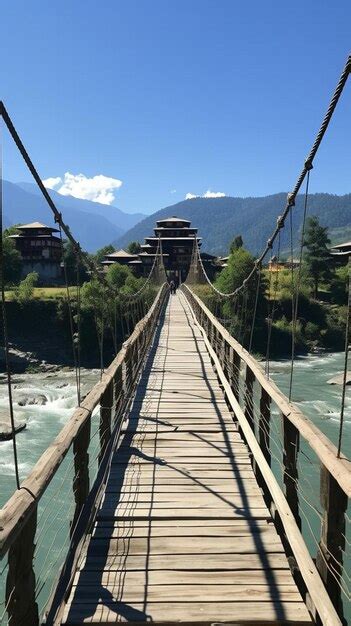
183,533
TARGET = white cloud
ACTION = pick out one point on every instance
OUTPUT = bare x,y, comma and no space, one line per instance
190,196
52,182
98,188
213,194
173,191
207,194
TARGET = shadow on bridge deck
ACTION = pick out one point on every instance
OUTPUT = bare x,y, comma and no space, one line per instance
183,533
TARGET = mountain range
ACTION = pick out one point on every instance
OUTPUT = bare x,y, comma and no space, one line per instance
93,224
219,220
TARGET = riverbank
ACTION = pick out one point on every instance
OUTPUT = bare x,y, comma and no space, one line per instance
44,402
40,338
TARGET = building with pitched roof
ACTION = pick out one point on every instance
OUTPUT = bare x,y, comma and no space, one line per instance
40,250
119,256
176,238
341,253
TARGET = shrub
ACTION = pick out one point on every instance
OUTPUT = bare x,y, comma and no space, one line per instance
25,290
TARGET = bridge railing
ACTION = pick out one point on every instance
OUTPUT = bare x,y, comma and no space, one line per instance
42,528
304,462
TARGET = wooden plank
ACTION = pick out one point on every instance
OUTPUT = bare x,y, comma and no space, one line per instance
193,438
221,447
185,463
205,499
192,562
165,612
179,523
187,593
181,513
150,529
179,490
282,578
194,473
187,452
186,545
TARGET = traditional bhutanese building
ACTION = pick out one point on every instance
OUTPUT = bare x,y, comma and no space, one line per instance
40,250
119,256
341,252
176,237
177,240
275,265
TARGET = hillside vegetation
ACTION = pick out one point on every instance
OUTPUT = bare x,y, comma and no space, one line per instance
220,219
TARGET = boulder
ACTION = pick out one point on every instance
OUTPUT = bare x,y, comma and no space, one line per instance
6,430
339,379
39,400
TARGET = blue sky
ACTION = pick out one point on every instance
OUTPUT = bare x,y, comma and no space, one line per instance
175,97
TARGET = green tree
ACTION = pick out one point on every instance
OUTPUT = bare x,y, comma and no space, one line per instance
134,247
236,244
12,258
339,285
70,259
117,275
122,279
25,290
240,264
238,311
101,253
95,299
317,256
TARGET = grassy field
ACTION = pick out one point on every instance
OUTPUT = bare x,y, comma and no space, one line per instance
47,293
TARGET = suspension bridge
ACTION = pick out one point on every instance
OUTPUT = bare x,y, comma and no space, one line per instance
190,500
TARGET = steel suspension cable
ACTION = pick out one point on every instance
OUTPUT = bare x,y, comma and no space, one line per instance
272,310
346,358
308,165
78,329
70,315
296,290
258,284
5,334
57,214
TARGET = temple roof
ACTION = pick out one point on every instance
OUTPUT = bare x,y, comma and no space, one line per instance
148,254
121,254
342,245
187,239
36,226
173,220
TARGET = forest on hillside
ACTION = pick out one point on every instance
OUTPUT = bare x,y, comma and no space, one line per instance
220,219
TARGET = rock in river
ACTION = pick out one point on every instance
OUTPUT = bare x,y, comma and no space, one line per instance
339,378
6,430
38,399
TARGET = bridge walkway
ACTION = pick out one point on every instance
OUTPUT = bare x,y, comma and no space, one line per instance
183,533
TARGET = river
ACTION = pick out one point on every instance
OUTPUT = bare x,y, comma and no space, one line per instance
44,423
317,399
